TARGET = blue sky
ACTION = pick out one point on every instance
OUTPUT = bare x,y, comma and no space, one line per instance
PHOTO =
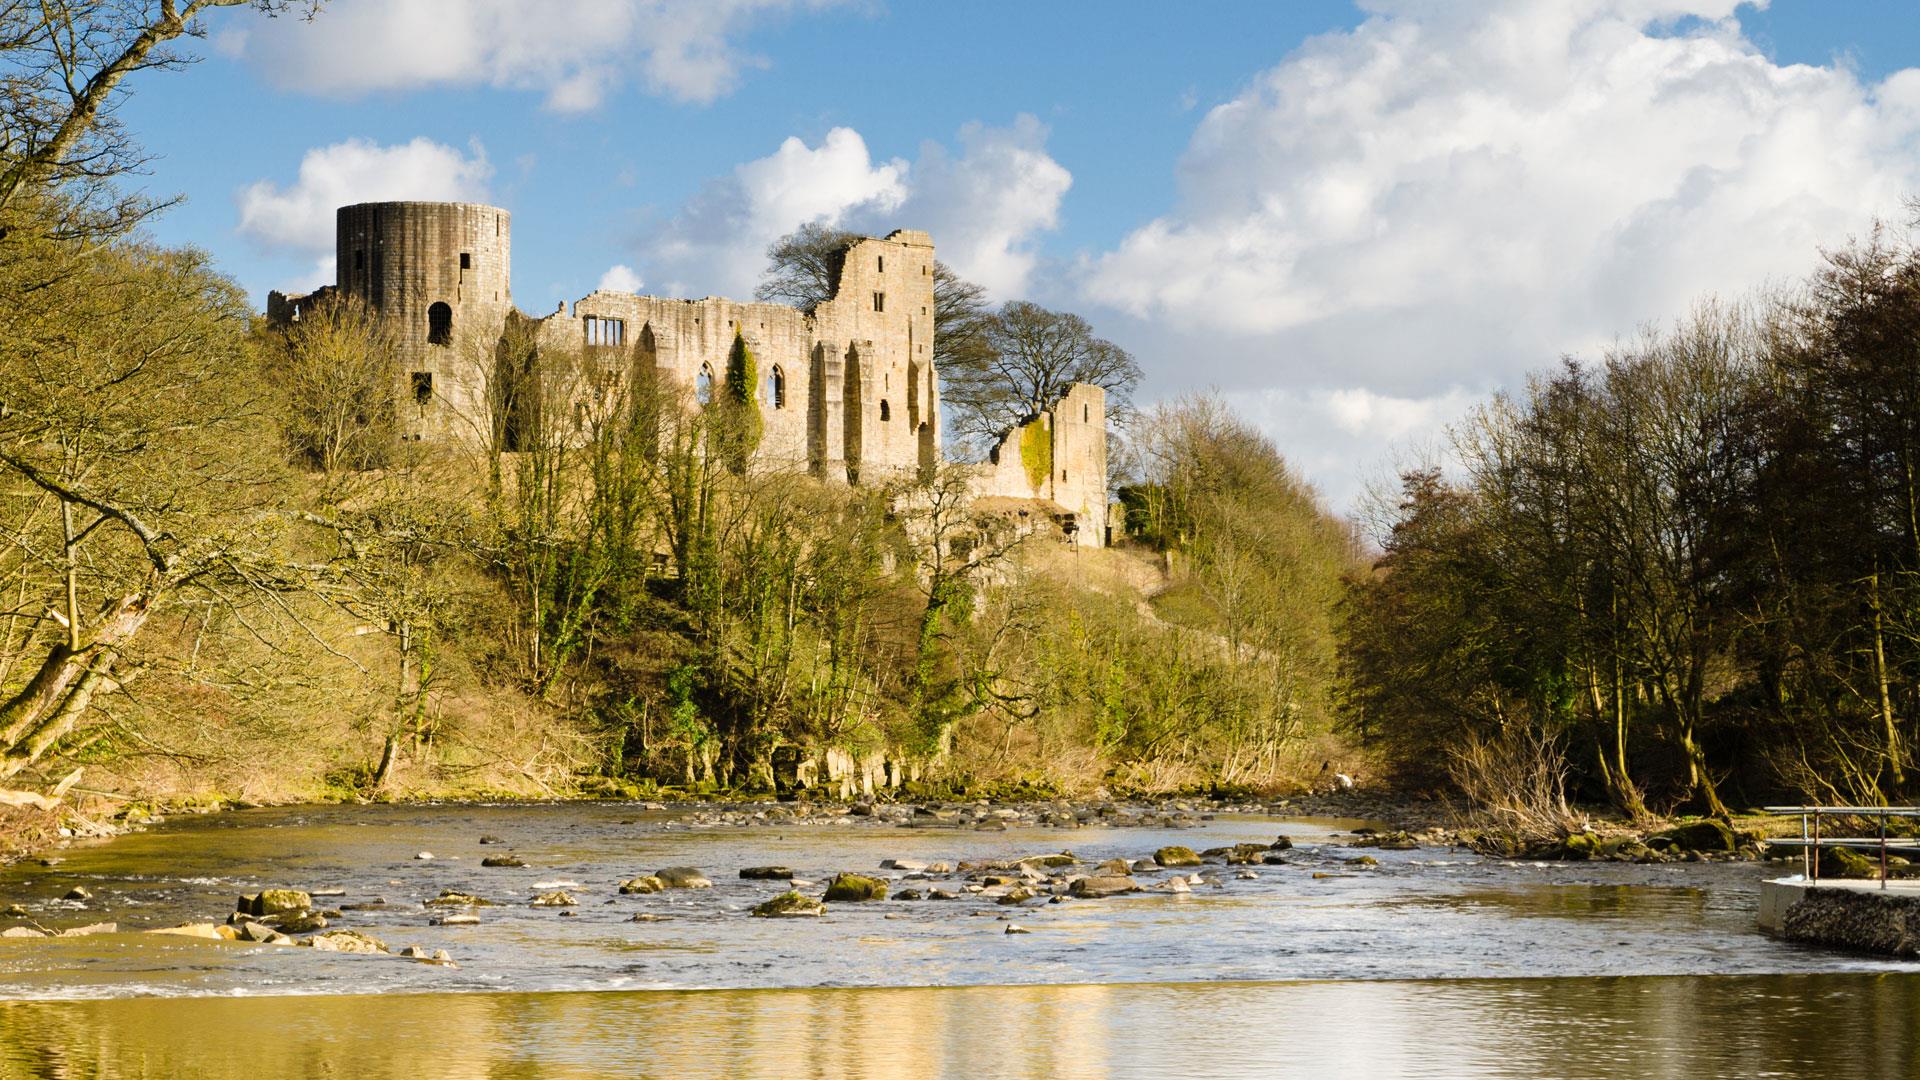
1352,220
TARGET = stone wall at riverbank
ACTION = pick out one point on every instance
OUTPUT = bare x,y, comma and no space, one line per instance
1861,917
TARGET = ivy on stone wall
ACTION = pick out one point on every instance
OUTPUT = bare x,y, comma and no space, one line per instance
1036,452
742,397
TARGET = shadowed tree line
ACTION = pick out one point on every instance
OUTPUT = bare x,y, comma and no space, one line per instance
1687,574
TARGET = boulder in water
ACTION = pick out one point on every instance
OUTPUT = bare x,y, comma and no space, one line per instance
790,904
1175,855
275,902
346,941
683,877
855,887
1093,888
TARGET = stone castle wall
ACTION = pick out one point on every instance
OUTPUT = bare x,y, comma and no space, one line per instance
1060,457
441,274
847,391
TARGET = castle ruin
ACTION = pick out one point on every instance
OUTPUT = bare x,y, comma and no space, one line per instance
847,391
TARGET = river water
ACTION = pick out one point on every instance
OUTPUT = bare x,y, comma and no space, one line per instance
1433,963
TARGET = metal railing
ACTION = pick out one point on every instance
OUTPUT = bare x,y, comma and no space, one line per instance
1811,840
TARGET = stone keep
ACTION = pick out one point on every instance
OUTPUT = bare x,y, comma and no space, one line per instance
847,391
440,274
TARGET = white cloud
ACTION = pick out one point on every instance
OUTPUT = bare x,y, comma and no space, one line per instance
300,217
620,278
1343,439
1449,195
1357,410
573,51
717,243
983,206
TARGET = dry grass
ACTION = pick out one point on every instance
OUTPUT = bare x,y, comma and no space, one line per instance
1517,783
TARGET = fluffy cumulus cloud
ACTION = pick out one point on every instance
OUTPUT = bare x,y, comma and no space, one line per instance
299,217
620,278
984,206
572,51
1451,194
717,242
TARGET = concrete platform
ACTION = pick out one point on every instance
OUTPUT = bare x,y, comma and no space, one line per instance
1844,913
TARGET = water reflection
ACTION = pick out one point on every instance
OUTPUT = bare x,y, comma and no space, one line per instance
1679,1027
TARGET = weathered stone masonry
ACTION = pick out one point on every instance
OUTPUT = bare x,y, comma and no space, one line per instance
847,391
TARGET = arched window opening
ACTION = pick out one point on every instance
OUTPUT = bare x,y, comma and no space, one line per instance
703,385
777,388
886,413
440,324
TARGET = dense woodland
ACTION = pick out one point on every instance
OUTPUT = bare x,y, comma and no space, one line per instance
222,573
1688,574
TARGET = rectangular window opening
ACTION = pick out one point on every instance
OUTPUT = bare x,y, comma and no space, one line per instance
359,260
422,387
466,260
880,264
879,301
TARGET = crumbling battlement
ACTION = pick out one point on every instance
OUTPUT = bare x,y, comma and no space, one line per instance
1059,456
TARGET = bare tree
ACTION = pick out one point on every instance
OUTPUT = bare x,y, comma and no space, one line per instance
62,66
803,267
133,414
1028,357
335,374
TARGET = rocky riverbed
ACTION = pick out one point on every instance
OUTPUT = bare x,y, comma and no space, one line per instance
612,895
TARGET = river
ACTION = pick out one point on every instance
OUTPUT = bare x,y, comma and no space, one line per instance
1433,963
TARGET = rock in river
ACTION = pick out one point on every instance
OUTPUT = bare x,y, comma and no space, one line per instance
767,873
1103,885
850,887
1175,855
455,898
790,904
645,883
350,941
554,899
683,877
503,860
301,922
458,918
211,931
275,902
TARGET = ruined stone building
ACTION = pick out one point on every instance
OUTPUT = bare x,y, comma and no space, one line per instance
847,391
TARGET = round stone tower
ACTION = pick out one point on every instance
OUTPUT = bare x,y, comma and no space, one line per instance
438,273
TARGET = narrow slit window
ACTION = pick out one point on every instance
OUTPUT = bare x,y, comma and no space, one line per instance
879,301
880,264
777,388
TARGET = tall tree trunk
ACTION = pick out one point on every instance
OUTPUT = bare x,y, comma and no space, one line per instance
1890,730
